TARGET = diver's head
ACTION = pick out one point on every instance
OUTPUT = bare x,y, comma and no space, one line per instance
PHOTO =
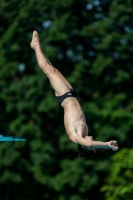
85,152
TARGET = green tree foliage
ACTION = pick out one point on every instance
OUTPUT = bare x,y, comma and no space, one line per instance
90,42
119,183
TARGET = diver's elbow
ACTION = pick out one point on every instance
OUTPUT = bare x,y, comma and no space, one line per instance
73,139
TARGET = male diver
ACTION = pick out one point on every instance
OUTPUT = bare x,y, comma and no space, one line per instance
74,118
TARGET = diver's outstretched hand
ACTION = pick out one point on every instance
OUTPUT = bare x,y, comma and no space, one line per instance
112,145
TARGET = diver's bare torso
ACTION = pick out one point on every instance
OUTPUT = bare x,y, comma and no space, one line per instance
74,118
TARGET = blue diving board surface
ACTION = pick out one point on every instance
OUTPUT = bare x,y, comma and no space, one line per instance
11,138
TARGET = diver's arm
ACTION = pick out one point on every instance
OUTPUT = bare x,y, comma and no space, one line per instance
95,144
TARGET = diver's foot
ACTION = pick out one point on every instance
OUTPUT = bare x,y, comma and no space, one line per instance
35,40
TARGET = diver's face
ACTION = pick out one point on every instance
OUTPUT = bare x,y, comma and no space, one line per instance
89,138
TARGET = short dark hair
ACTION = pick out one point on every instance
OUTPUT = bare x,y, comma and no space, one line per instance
85,152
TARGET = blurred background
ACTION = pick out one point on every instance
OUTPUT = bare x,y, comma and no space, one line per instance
91,43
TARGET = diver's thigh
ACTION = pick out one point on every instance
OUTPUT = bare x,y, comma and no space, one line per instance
57,82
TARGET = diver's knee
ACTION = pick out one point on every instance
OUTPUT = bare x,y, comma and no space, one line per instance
53,70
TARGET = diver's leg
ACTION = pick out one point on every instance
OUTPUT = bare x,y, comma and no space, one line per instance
65,80
57,80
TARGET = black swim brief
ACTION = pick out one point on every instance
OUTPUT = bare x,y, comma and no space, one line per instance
60,99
